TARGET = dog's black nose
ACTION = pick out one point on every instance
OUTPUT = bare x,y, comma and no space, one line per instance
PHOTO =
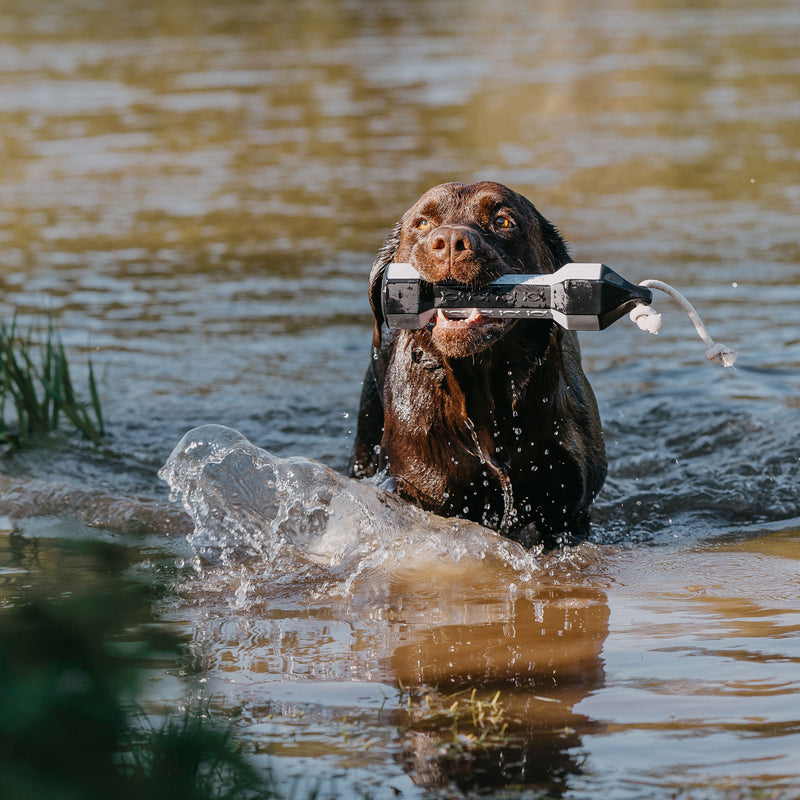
451,239
449,244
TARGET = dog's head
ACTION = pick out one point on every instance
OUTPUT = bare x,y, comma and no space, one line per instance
471,234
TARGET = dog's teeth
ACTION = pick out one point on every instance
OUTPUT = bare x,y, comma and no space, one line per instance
460,314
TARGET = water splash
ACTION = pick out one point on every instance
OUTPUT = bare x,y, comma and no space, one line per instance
267,519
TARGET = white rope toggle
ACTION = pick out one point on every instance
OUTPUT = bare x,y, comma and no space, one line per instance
648,319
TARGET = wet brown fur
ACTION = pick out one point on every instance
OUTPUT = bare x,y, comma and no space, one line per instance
495,424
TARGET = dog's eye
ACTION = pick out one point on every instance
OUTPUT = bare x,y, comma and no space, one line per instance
422,225
502,221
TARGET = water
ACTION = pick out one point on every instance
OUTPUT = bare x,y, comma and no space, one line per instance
194,191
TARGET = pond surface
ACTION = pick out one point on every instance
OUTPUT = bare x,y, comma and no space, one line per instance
195,191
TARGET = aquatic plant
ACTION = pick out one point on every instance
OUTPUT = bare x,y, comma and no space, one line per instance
473,722
191,755
40,390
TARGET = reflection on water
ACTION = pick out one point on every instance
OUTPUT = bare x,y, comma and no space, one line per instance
288,597
195,191
541,652
445,610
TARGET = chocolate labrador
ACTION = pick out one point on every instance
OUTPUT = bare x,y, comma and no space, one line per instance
490,420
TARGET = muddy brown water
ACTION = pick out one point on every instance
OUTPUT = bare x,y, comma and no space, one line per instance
194,191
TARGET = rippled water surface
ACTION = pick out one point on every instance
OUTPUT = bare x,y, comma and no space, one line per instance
195,191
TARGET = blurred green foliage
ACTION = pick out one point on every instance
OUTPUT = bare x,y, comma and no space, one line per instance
70,727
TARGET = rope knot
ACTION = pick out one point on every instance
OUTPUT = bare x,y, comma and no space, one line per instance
647,318
721,354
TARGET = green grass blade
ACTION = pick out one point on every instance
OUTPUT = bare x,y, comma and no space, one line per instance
95,396
41,393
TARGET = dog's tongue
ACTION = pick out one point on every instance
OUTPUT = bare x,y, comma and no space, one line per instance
474,320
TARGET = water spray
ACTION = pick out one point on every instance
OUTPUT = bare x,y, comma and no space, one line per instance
581,297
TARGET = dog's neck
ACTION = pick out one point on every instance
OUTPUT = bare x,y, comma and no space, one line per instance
480,387
466,418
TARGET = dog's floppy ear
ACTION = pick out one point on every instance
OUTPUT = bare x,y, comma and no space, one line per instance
383,259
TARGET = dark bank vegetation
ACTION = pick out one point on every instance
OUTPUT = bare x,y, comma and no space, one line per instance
72,727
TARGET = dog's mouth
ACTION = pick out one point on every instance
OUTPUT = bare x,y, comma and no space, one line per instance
465,332
463,319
